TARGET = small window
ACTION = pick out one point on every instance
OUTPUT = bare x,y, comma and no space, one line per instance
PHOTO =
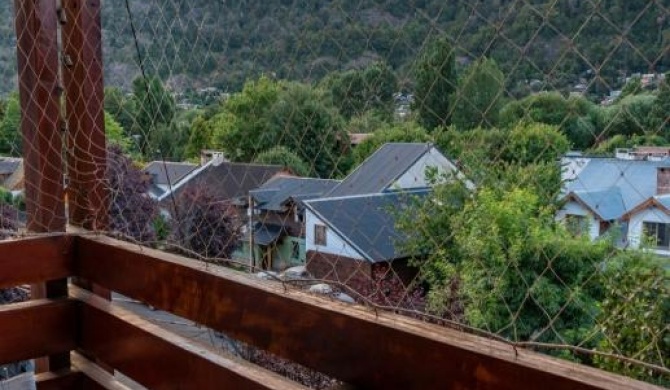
295,250
659,233
576,224
319,235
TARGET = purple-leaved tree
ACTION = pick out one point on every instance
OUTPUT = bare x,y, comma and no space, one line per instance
204,225
132,211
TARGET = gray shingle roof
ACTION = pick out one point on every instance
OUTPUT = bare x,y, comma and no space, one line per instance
174,171
233,180
633,181
367,222
608,204
8,165
381,169
277,191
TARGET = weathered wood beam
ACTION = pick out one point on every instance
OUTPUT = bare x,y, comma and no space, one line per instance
37,328
84,105
157,358
62,380
35,260
364,349
36,25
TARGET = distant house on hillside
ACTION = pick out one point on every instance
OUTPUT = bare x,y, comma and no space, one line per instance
165,175
278,220
633,195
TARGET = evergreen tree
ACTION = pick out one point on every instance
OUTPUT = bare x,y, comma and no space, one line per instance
478,99
435,78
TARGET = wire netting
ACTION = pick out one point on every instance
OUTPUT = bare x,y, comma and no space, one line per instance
501,167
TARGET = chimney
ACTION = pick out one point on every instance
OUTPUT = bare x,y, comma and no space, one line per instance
663,180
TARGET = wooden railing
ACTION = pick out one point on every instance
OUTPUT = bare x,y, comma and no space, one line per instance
359,347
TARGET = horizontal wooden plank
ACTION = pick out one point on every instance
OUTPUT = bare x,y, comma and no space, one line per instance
36,328
64,380
157,358
95,377
35,260
364,349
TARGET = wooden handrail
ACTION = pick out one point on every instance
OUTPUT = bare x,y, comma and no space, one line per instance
35,260
158,358
364,349
37,328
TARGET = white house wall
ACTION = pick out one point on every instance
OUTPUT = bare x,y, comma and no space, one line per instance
635,226
335,244
574,208
415,177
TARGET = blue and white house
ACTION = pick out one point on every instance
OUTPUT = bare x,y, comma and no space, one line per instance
629,195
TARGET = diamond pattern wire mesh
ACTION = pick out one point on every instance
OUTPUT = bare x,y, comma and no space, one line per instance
254,136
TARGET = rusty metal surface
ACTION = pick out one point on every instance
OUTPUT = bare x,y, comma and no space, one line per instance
37,53
349,343
35,260
157,358
84,105
37,328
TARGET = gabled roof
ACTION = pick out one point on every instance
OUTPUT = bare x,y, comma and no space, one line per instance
660,202
367,222
226,180
605,204
275,193
381,169
630,182
167,172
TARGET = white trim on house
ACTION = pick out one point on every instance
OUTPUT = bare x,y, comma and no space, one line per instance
188,178
577,209
336,243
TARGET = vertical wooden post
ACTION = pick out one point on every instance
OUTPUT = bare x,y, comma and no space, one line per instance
39,90
88,193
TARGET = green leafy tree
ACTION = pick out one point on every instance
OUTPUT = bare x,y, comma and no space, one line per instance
269,113
660,112
478,98
534,142
301,121
241,128
199,138
154,112
630,116
122,108
10,132
632,87
280,155
115,133
634,315
435,79
486,259
576,117
355,92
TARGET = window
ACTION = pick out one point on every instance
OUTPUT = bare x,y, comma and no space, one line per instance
576,224
319,235
295,250
658,233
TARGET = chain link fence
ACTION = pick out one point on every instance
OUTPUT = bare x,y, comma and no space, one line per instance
501,167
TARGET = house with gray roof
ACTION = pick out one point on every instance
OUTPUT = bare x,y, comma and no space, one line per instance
348,238
633,195
278,220
165,175
396,166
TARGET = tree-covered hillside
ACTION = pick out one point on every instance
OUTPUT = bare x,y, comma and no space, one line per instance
221,43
